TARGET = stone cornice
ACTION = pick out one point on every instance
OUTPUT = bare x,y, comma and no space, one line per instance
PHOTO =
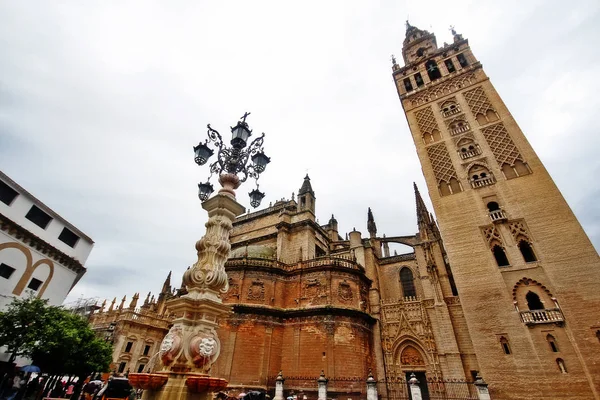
22,234
302,312
301,267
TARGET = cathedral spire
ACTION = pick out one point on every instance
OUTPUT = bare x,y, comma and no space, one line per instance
422,213
134,300
371,227
167,285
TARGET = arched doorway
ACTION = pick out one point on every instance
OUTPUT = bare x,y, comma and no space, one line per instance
413,362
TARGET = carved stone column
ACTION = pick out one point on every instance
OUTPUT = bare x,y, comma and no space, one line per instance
192,346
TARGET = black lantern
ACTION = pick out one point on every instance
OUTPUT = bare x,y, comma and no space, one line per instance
256,197
243,159
260,161
204,190
240,134
202,153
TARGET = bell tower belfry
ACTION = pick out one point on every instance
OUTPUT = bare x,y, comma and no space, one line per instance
527,275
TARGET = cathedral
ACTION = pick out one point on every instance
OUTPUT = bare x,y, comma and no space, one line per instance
505,285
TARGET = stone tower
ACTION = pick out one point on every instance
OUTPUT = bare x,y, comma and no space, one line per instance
527,275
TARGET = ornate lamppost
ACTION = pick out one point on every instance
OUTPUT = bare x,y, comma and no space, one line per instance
232,161
192,346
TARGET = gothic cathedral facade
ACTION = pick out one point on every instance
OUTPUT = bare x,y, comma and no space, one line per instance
527,274
506,285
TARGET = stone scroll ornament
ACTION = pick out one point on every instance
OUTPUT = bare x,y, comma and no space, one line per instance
204,349
213,250
171,346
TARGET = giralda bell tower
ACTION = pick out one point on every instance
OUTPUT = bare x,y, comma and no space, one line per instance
528,277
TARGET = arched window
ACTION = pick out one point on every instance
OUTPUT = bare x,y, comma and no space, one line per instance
521,168
505,345
527,251
420,52
408,283
533,301
552,342
450,108
455,185
561,365
493,206
509,171
500,256
444,188
432,70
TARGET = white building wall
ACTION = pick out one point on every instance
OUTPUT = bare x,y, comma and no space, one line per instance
21,205
61,280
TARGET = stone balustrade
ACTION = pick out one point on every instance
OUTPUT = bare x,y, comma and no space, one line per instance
497,215
450,112
481,182
460,129
532,317
469,153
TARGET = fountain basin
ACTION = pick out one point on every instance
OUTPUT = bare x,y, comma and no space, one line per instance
205,383
147,381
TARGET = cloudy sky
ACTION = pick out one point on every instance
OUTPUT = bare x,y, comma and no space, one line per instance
101,103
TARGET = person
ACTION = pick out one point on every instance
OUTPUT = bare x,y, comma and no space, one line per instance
18,384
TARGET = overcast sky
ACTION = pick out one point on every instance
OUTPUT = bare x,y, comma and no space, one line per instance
101,103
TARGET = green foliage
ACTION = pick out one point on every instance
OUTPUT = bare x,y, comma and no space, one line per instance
22,324
57,341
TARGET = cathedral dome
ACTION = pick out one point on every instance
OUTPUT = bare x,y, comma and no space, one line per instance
254,251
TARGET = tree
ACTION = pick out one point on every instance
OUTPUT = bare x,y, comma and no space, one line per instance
57,341
70,346
21,326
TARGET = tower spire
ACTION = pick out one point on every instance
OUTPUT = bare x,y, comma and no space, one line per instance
371,227
306,187
422,213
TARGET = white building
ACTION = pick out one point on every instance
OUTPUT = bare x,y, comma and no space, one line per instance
40,251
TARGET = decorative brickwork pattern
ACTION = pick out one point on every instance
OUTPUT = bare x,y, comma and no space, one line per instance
478,101
441,162
443,88
426,120
492,235
518,229
501,144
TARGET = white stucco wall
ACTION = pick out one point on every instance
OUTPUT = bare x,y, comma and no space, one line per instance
58,287
21,205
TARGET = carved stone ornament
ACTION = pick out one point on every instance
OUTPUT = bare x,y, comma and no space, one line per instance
256,291
204,349
234,290
411,356
345,292
171,345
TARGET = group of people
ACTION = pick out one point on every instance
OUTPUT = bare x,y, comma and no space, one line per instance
21,386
